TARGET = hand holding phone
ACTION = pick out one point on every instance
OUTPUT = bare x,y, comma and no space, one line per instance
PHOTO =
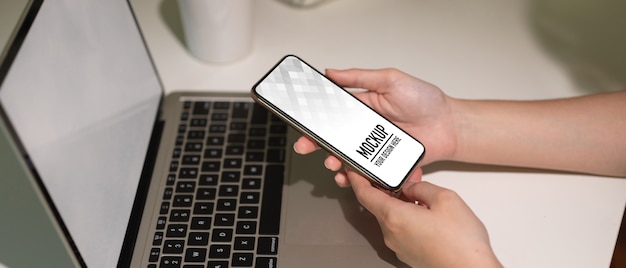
339,122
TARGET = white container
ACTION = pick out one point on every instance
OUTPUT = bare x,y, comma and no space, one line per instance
217,31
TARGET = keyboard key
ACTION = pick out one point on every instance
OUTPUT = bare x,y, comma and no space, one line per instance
267,246
188,173
195,255
247,212
256,144
277,141
180,215
170,262
242,260
219,251
253,170
185,186
219,117
165,208
167,194
176,153
198,239
171,178
204,193
217,128
193,147
259,114
173,166
157,239
200,223
179,140
182,200
215,140
229,190
218,264
249,198
161,223
223,219
191,159
220,105
278,129
234,150
154,255
240,109
251,184
222,235
265,262
272,198
276,155
254,156
195,135
203,208
226,204
238,126
231,176
173,246
244,243
232,163
213,153
257,132
246,227
210,166
237,138
198,122
201,108
209,179
176,230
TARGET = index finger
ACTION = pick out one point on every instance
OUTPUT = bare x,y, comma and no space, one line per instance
305,145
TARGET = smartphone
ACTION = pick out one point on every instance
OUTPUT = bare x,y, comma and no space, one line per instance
339,122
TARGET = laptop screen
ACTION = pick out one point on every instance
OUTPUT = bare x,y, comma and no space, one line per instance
82,96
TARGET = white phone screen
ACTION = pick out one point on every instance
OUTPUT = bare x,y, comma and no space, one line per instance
340,122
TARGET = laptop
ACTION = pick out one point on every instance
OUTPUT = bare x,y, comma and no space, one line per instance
100,169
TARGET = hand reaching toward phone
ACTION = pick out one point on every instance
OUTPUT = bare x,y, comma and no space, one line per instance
440,232
580,134
420,108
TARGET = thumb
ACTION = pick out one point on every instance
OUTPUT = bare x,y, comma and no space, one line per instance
372,80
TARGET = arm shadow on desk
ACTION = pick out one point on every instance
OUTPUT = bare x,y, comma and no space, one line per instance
586,38
469,167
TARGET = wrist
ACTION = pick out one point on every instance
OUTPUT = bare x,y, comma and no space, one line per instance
458,124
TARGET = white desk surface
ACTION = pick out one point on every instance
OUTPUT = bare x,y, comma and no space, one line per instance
471,49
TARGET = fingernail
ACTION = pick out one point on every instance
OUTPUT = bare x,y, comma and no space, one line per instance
295,149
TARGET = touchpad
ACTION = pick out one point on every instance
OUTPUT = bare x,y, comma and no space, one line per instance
321,213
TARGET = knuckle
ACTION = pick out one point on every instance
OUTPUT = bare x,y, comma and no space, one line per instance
447,196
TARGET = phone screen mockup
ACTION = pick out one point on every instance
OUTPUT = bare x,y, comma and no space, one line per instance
339,122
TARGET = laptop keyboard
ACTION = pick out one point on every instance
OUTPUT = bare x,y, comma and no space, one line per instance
221,206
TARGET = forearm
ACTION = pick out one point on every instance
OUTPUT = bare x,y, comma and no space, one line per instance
584,134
